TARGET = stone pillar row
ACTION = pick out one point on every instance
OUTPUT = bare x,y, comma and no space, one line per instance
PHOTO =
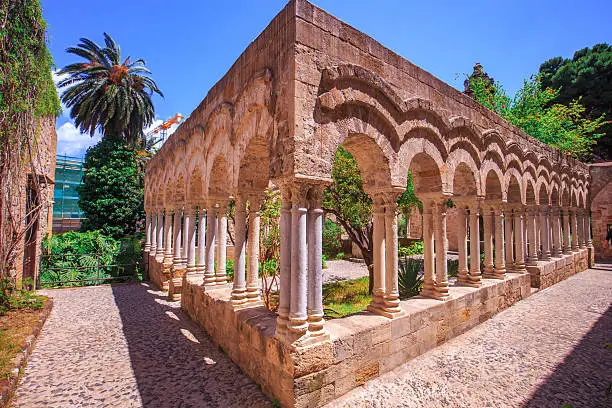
300,314
171,236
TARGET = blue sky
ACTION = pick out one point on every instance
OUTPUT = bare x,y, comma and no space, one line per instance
190,44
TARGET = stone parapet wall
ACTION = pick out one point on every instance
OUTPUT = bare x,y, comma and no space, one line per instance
362,346
548,273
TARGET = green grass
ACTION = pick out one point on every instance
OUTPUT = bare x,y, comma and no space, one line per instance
15,327
346,297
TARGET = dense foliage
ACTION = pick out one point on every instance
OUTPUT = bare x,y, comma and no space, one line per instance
588,76
532,109
352,207
27,94
108,94
112,193
332,243
90,256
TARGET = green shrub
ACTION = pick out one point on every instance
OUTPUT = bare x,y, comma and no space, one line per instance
452,266
416,248
90,257
332,243
410,278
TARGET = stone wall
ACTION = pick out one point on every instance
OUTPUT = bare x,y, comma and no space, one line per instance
362,346
601,207
548,273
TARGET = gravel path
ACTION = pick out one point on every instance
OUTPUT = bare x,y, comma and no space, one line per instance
342,270
126,346
546,351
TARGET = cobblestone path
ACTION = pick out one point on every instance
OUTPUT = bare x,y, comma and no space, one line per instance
549,350
126,346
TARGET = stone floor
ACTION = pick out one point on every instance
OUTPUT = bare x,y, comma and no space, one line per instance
127,346
552,349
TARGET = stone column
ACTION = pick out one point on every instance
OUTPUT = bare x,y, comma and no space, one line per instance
284,301
177,231
487,221
508,239
392,302
379,255
428,251
567,246
191,235
221,274
252,284
441,243
545,233
574,230
153,234
556,232
532,257
159,253
589,239
500,262
315,267
519,246
475,274
582,228
211,237
538,232
201,255
147,247
168,237
239,287
299,263
463,273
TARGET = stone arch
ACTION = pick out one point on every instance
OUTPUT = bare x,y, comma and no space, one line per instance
543,194
530,191
219,186
554,195
512,186
426,173
195,185
415,148
493,184
462,168
373,164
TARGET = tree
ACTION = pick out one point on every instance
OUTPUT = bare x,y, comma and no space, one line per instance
27,98
112,192
352,207
532,109
107,94
588,75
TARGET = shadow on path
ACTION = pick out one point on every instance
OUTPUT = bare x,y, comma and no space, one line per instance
174,362
583,378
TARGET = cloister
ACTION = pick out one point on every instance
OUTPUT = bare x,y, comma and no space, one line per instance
307,85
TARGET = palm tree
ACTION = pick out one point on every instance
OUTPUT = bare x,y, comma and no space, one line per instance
107,94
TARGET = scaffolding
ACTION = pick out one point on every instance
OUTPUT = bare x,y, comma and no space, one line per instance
68,176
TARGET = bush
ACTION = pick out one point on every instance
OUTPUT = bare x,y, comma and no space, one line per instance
90,257
452,266
410,278
416,248
19,299
332,243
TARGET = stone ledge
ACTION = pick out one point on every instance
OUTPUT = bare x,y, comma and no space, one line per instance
361,346
8,386
546,273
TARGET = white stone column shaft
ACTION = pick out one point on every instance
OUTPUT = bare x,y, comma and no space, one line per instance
315,269
284,302
191,238
221,274
159,253
567,245
532,256
463,272
168,237
239,287
428,289
475,274
519,246
392,302
252,284
147,247
499,271
177,232
299,264
441,244
574,230
556,232
487,221
153,234
508,240
211,237
378,254
201,253
544,233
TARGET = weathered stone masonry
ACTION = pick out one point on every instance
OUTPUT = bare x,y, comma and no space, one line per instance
308,84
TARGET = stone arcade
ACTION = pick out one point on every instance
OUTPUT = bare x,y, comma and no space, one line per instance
308,84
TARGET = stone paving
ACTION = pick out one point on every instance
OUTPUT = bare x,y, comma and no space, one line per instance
126,346
549,350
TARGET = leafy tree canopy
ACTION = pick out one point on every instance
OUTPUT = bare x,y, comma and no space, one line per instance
588,75
112,193
533,110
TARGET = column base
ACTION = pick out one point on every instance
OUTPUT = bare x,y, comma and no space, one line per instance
434,293
297,326
221,279
467,281
209,280
281,325
390,311
498,273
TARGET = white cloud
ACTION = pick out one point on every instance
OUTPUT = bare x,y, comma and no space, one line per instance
71,142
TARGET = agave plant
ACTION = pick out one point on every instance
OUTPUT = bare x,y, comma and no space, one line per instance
410,278
107,94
